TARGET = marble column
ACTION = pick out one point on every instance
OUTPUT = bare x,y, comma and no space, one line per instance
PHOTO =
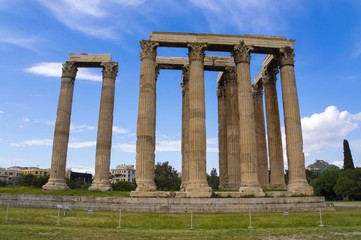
262,160
145,146
197,186
247,131
275,152
234,166
185,125
105,128
294,143
62,128
222,134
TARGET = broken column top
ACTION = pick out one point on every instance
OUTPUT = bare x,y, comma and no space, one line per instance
89,60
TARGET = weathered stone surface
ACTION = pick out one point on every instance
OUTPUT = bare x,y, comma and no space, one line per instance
211,63
90,58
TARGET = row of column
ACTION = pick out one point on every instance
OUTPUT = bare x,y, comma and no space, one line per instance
242,164
62,128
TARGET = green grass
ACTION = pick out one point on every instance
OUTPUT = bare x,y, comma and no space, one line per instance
36,223
67,192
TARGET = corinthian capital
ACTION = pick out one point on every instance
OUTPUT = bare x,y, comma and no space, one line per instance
110,69
269,76
70,69
185,78
257,89
230,74
196,51
287,56
241,53
221,90
149,49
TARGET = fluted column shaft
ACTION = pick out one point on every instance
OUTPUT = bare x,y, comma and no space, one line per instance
105,128
62,128
145,146
275,152
247,131
294,142
198,186
234,166
185,126
262,160
222,134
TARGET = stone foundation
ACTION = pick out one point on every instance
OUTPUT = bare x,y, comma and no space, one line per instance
169,205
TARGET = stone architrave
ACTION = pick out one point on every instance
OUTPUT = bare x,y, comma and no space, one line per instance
275,152
62,127
262,160
222,134
247,131
145,146
234,166
197,186
105,128
294,143
185,125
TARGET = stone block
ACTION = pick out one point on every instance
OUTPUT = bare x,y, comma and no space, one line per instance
90,58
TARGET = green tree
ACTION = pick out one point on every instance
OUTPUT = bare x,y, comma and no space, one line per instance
3,183
323,185
347,157
330,167
349,184
213,179
166,177
311,175
30,180
124,186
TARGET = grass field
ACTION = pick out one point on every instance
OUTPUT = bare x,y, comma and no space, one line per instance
36,223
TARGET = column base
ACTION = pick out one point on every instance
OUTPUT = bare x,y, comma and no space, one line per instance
277,186
55,184
146,187
198,191
251,191
300,188
103,186
233,186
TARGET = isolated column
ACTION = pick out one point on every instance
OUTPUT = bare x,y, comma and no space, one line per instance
275,152
197,186
222,134
105,128
294,143
262,160
185,130
145,146
234,166
247,131
62,127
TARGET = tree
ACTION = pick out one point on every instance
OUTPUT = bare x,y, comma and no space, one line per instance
323,185
213,179
349,184
124,186
311,175
166,177
3,183
30,180
330,167
347,157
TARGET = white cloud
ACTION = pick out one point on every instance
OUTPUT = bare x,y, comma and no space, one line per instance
54,69
125,147
82,169
322,129
80,128
168,146
338,163
25,120
33,142
17,38
82,144
119,130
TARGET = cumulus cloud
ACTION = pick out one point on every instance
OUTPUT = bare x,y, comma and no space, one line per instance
33,142
119,130
82,169
322,129
168,146
54,69
78,145
125,147
80,128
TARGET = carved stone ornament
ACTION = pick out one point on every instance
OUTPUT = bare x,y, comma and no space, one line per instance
269,75
287,56
196,51
149,49
241,53
110,69
157,70
185,79
257,90
230,74
221,90
70,69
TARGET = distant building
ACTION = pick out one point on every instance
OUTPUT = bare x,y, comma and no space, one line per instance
317,166
36,171
123,173
83,177
8,174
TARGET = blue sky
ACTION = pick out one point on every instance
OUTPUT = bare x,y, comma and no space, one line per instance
36,36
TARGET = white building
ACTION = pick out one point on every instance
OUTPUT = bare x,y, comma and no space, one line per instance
123,173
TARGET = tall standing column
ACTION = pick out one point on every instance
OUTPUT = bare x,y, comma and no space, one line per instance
105,128
247,131
262,160
185,130
234,166
275,152
294,143
222,134
146,118
197,186
62,127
